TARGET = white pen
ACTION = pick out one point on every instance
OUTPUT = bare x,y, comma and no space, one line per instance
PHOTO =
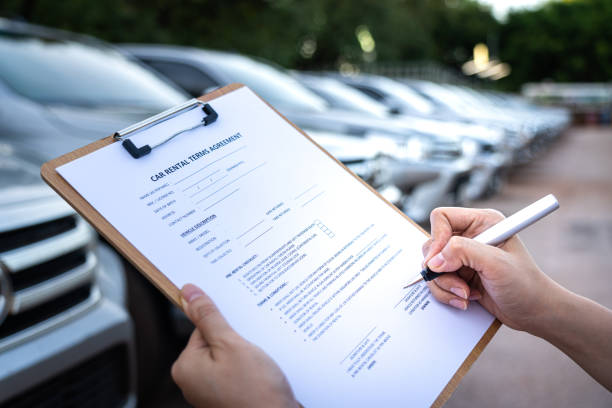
503,230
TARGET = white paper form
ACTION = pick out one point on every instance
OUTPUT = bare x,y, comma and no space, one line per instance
301,258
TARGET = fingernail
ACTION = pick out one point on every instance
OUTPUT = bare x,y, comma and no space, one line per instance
475,295
191,292
436,261
459,292
459,304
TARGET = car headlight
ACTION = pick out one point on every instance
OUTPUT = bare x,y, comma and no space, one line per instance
470,147
415,149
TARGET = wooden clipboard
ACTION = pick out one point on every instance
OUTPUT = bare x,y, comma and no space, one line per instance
140,262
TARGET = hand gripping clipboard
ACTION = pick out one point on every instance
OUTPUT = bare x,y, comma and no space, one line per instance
140,262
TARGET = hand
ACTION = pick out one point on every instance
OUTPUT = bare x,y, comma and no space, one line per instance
505,279
508,283
218,368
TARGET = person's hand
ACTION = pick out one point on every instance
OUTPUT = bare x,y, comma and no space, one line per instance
505,279
218,368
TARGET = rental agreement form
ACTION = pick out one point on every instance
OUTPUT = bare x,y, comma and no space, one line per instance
301,258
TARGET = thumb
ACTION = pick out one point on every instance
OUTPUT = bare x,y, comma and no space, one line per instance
462,251
204,314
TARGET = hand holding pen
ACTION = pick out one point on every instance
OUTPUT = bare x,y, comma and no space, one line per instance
504,279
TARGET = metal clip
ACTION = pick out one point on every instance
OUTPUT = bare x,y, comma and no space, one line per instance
138,152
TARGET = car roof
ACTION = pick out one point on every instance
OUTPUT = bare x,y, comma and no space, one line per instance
157,50
23,28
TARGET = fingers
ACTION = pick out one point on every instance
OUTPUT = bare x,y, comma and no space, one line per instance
205,316
184,364
447,221
196,341
445,296
451,290
441,231
461,251
426,247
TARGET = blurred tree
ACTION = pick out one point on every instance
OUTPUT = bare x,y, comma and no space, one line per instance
561,41
456,26
301,34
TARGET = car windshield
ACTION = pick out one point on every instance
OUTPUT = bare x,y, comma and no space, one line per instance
402,92
51,71
344,97
444,97
275,86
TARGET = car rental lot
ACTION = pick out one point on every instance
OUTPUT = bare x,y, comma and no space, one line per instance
420,144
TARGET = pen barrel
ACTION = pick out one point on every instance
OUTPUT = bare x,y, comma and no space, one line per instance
518,221
429,275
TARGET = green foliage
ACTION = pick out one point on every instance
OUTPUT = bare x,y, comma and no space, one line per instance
562,41
276,29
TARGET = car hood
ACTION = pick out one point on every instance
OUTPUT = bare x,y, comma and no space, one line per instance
356,124
20,180
345,148
61,129
94,123
451,128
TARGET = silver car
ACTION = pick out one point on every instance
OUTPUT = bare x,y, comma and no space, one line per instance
66,338
61,91
197,70
487,147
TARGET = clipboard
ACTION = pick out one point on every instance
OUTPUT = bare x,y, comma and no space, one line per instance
140,262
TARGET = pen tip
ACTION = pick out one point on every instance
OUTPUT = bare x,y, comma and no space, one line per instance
415,279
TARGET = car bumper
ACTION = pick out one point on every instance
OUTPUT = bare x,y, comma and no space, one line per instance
87,358
486,168
445,190
407,174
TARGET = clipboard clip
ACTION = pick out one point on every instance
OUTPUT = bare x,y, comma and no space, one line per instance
137,152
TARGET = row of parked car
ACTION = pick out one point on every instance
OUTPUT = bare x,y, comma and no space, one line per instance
76,323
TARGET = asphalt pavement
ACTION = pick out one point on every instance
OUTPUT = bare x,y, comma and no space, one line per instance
573,246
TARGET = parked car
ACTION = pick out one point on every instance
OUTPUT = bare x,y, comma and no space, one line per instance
197,70
89,89
66,338
369,159
486,147
518,134
61,91
405,97
542,124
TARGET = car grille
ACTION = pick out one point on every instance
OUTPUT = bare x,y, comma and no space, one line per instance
445,150
16,323
99,382
50,270
27,235
460,182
